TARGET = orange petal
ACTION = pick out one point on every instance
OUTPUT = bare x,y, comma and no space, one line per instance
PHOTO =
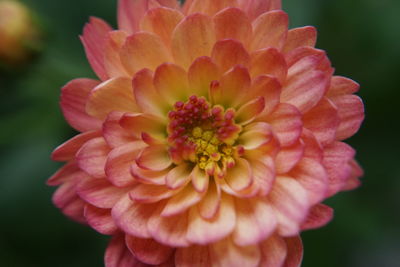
267,86
181,201
295,252
270,30
269,61
255,135
130,13
148,176
193,256
209,205
145,193
249,111
228,53
112,60
143,50
112,95
138,123
254,8
240,177
100,220
232,23
209,7
297,37
161,21
233,85
201,73
192,38
200,179
273,251
178,176
154,158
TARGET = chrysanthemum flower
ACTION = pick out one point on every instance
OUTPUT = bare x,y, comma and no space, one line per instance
212,137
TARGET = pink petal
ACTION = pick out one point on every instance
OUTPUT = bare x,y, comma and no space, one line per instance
118,255
255,221
354,180
240,177
351,115
193,37
307,58
342,86
210,203
146,193
100,220
313,149
154,158
112,131
148,176
112,59
200,179
209,7
161,21
178,177
67,150
319,216
295,252
201,73
297,37
74,96
138,123
270,30
99,192
132,217
201,231
249,111
273,251
148,251
92,157
323,121
228,53
268,62
232,23
267,86
226,253
94,40
65,173
193,256
119,162
288,157
112,95
181,201
290,202
130,13
143,50
233,85
263,173
254,8
286,123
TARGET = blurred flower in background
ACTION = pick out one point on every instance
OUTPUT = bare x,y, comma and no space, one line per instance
20,36
212,137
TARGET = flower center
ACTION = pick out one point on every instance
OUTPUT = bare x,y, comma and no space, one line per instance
203,135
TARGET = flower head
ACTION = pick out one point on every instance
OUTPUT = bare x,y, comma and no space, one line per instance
212,138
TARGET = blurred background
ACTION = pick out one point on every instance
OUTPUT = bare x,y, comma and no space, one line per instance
362,40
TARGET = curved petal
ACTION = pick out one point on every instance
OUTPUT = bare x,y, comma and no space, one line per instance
154,158
342,86
148,176
288,157
178,176
193,256
64,174
255,135
112,131
210,203
268,62
249,111
298,37
112,95
92,157
233,85
273,251
147,193
181,201
94,40
200,179
130,12
240,177
67,150
228,52
74,96
200,74
138,123
295,252
319,216
100,220
143,50
192,38
209,7
112,59
254,8
270,30
147,250
232,23
118,255
263,173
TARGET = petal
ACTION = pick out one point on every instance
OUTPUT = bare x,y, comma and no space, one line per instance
148,251
319,216
118,255
201,73
228,53
307,58
255,135
178,176
342,86
209,7
263,174
200,179
297,37
290,202
154,158
99,192
130,12
149,176
201,231
171,83
132,217
286,123
112,95
232,23
273,251
181,201
193,37
210,203
288,157
295,252
356,172
269,61
240,177
147,193
161,21
112,131
92,157
64,174
112,60
351,115
119,161
226,253
100,220
267,86
193,256
94,39
254,8
143,50
248,112
138,123
67,150
270,30
255,221
322,120
74,96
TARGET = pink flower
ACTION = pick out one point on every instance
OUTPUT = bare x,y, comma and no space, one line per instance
212,138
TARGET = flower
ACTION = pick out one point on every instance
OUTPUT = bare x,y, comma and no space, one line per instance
212,138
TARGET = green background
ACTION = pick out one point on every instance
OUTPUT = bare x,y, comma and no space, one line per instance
362,40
